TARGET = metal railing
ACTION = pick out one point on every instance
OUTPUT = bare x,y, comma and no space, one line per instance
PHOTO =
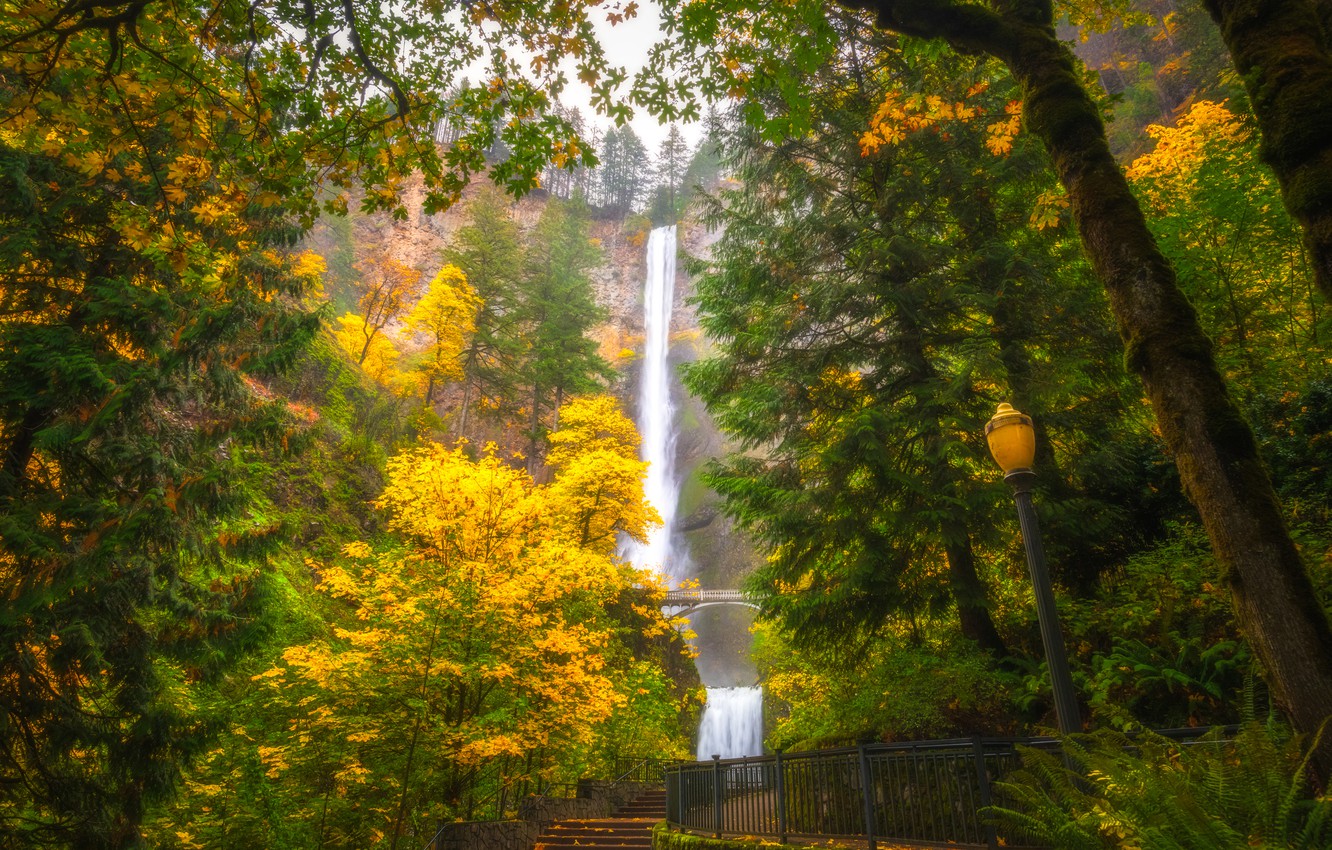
928,792
685,597
640,769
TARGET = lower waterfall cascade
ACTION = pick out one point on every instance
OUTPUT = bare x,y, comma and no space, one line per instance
732,724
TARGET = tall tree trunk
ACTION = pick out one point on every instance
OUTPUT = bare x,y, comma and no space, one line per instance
535,426
1283,52
1204,430
18,451
470,377
969,593
1213,447
946,484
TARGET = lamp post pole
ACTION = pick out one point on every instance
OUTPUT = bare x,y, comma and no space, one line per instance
1013,444
1066,704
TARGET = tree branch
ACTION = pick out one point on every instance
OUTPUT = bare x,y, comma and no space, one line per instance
967,27
373,69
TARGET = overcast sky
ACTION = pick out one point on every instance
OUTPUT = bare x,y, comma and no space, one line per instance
627,44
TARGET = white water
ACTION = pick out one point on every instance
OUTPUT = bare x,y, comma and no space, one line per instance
732,724
656,410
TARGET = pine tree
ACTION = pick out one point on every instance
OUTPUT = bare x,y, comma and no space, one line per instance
672,160
488,251
624,169
859,299
556,313
704,169
130,540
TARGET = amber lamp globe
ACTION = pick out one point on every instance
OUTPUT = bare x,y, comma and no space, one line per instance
1012,439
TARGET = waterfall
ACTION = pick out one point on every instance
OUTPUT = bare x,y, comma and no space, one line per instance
656,410
732,723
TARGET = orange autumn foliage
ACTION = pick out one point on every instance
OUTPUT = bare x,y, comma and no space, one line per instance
899,115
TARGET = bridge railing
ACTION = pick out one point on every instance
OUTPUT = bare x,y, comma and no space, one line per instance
928,792
679,597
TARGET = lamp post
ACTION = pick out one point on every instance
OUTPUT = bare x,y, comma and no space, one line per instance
1013,443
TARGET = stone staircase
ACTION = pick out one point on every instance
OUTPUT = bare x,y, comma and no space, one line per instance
631,826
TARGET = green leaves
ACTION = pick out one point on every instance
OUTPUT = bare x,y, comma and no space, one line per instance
1146,791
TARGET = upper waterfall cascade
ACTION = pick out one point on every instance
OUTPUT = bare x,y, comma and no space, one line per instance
656,409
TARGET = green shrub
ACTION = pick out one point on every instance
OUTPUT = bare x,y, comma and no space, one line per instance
1156,794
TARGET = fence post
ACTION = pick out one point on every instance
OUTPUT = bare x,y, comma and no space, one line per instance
983,778
867,793
781,800
716,795
672,781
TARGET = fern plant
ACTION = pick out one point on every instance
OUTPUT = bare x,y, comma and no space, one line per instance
1109,790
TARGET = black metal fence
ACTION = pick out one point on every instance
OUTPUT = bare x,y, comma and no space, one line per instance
928,792
634,769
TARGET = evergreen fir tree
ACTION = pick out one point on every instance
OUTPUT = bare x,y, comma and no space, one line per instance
130,536
860,316
488,250
556,313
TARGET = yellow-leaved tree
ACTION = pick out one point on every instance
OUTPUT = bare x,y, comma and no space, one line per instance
482,642
375,352
446,317
597,492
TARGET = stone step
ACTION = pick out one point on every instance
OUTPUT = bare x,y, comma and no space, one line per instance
646,814
571,829
564,843
645,823
631,827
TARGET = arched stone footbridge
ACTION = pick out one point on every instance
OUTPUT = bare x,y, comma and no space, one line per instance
687,601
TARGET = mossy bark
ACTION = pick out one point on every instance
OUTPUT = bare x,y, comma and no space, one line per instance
1204,430
1213,446
1283,52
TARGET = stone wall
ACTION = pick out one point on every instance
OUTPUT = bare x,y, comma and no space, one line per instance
501,835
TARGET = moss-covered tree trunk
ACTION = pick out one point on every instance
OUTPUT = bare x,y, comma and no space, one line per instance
1212,445
1283,52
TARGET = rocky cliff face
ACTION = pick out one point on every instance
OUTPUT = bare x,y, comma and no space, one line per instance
720,556
418,240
